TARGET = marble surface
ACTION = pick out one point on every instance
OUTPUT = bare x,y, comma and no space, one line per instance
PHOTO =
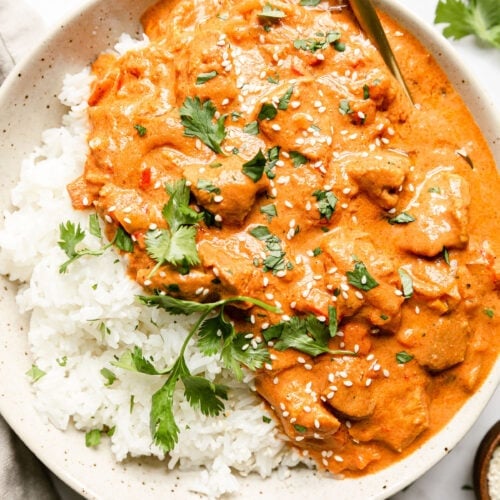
452,476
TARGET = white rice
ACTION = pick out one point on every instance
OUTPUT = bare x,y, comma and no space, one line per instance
90,315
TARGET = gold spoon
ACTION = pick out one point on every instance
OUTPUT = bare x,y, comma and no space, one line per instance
370,23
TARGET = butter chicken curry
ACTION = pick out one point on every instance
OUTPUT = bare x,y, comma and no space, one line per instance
311,183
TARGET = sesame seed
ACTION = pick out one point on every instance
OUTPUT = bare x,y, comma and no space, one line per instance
338,458
299,438
301,360
368,382
386,372
107,218
358,294
348,383
147,282
268,366
276,127
307,366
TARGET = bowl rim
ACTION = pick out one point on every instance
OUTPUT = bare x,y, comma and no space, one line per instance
402,472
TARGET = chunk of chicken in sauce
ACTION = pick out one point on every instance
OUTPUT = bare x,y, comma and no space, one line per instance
305,156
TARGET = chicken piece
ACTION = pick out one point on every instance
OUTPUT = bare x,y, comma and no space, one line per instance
436,347
440,209
349,393
380,175
231,261
304,129
401,410
225,190
294,395
383,303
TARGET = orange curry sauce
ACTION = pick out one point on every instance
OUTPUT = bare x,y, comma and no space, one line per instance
358,185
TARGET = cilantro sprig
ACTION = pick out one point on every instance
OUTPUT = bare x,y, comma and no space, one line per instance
215,334
176,244
306,334
198,120
480,18
71,235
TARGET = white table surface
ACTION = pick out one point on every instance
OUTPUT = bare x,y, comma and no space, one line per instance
447,479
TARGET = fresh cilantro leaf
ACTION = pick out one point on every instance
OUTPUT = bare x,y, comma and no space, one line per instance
204,395
327,202
108,375
446,255
269,210
164,429
271,12
332,321
267,112
470,17
134,361
489,312
69,237
35,373
401,218
297,158
260,232
212,332
251,128
205,77
284,100
208,186
141,130
360,278
198,120
123,241
94,226
320,43
173,305
62,361
309,3
254,168
406,283
403,357
238,350
345,107
177,211
92,438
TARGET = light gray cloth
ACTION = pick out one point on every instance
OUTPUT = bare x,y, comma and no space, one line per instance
22,475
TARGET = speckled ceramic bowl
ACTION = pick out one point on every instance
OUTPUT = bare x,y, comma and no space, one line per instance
28,104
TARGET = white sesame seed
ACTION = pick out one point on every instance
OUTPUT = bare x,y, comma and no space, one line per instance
268,366
338,458
348,383
301,360
307,366
276,127
386,372
299,438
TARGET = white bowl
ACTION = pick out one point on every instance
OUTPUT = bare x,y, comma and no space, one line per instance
28,105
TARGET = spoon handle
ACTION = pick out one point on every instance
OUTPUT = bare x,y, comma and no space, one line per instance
370,23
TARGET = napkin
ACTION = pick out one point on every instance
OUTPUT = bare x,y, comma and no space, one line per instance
22,475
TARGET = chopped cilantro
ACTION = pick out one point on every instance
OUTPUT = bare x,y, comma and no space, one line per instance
326,202
285,99
360,278
406,283
297,158
403,357
345,107
270,12
35,373
92,438
401,218
141,130
108,375
205,77
251,128
269,210
205,185
267,112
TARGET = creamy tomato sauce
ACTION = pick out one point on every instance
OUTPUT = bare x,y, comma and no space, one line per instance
325,192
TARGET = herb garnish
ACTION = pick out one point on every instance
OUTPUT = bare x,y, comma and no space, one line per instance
275,259
472,17
141,130
309,3
215,334
406,283
305,334
403,357
197,118
267,111
327,202
251,128
401,218
205,77
175,245
35,373
360,278
70,235
320,43
297,158
270,12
